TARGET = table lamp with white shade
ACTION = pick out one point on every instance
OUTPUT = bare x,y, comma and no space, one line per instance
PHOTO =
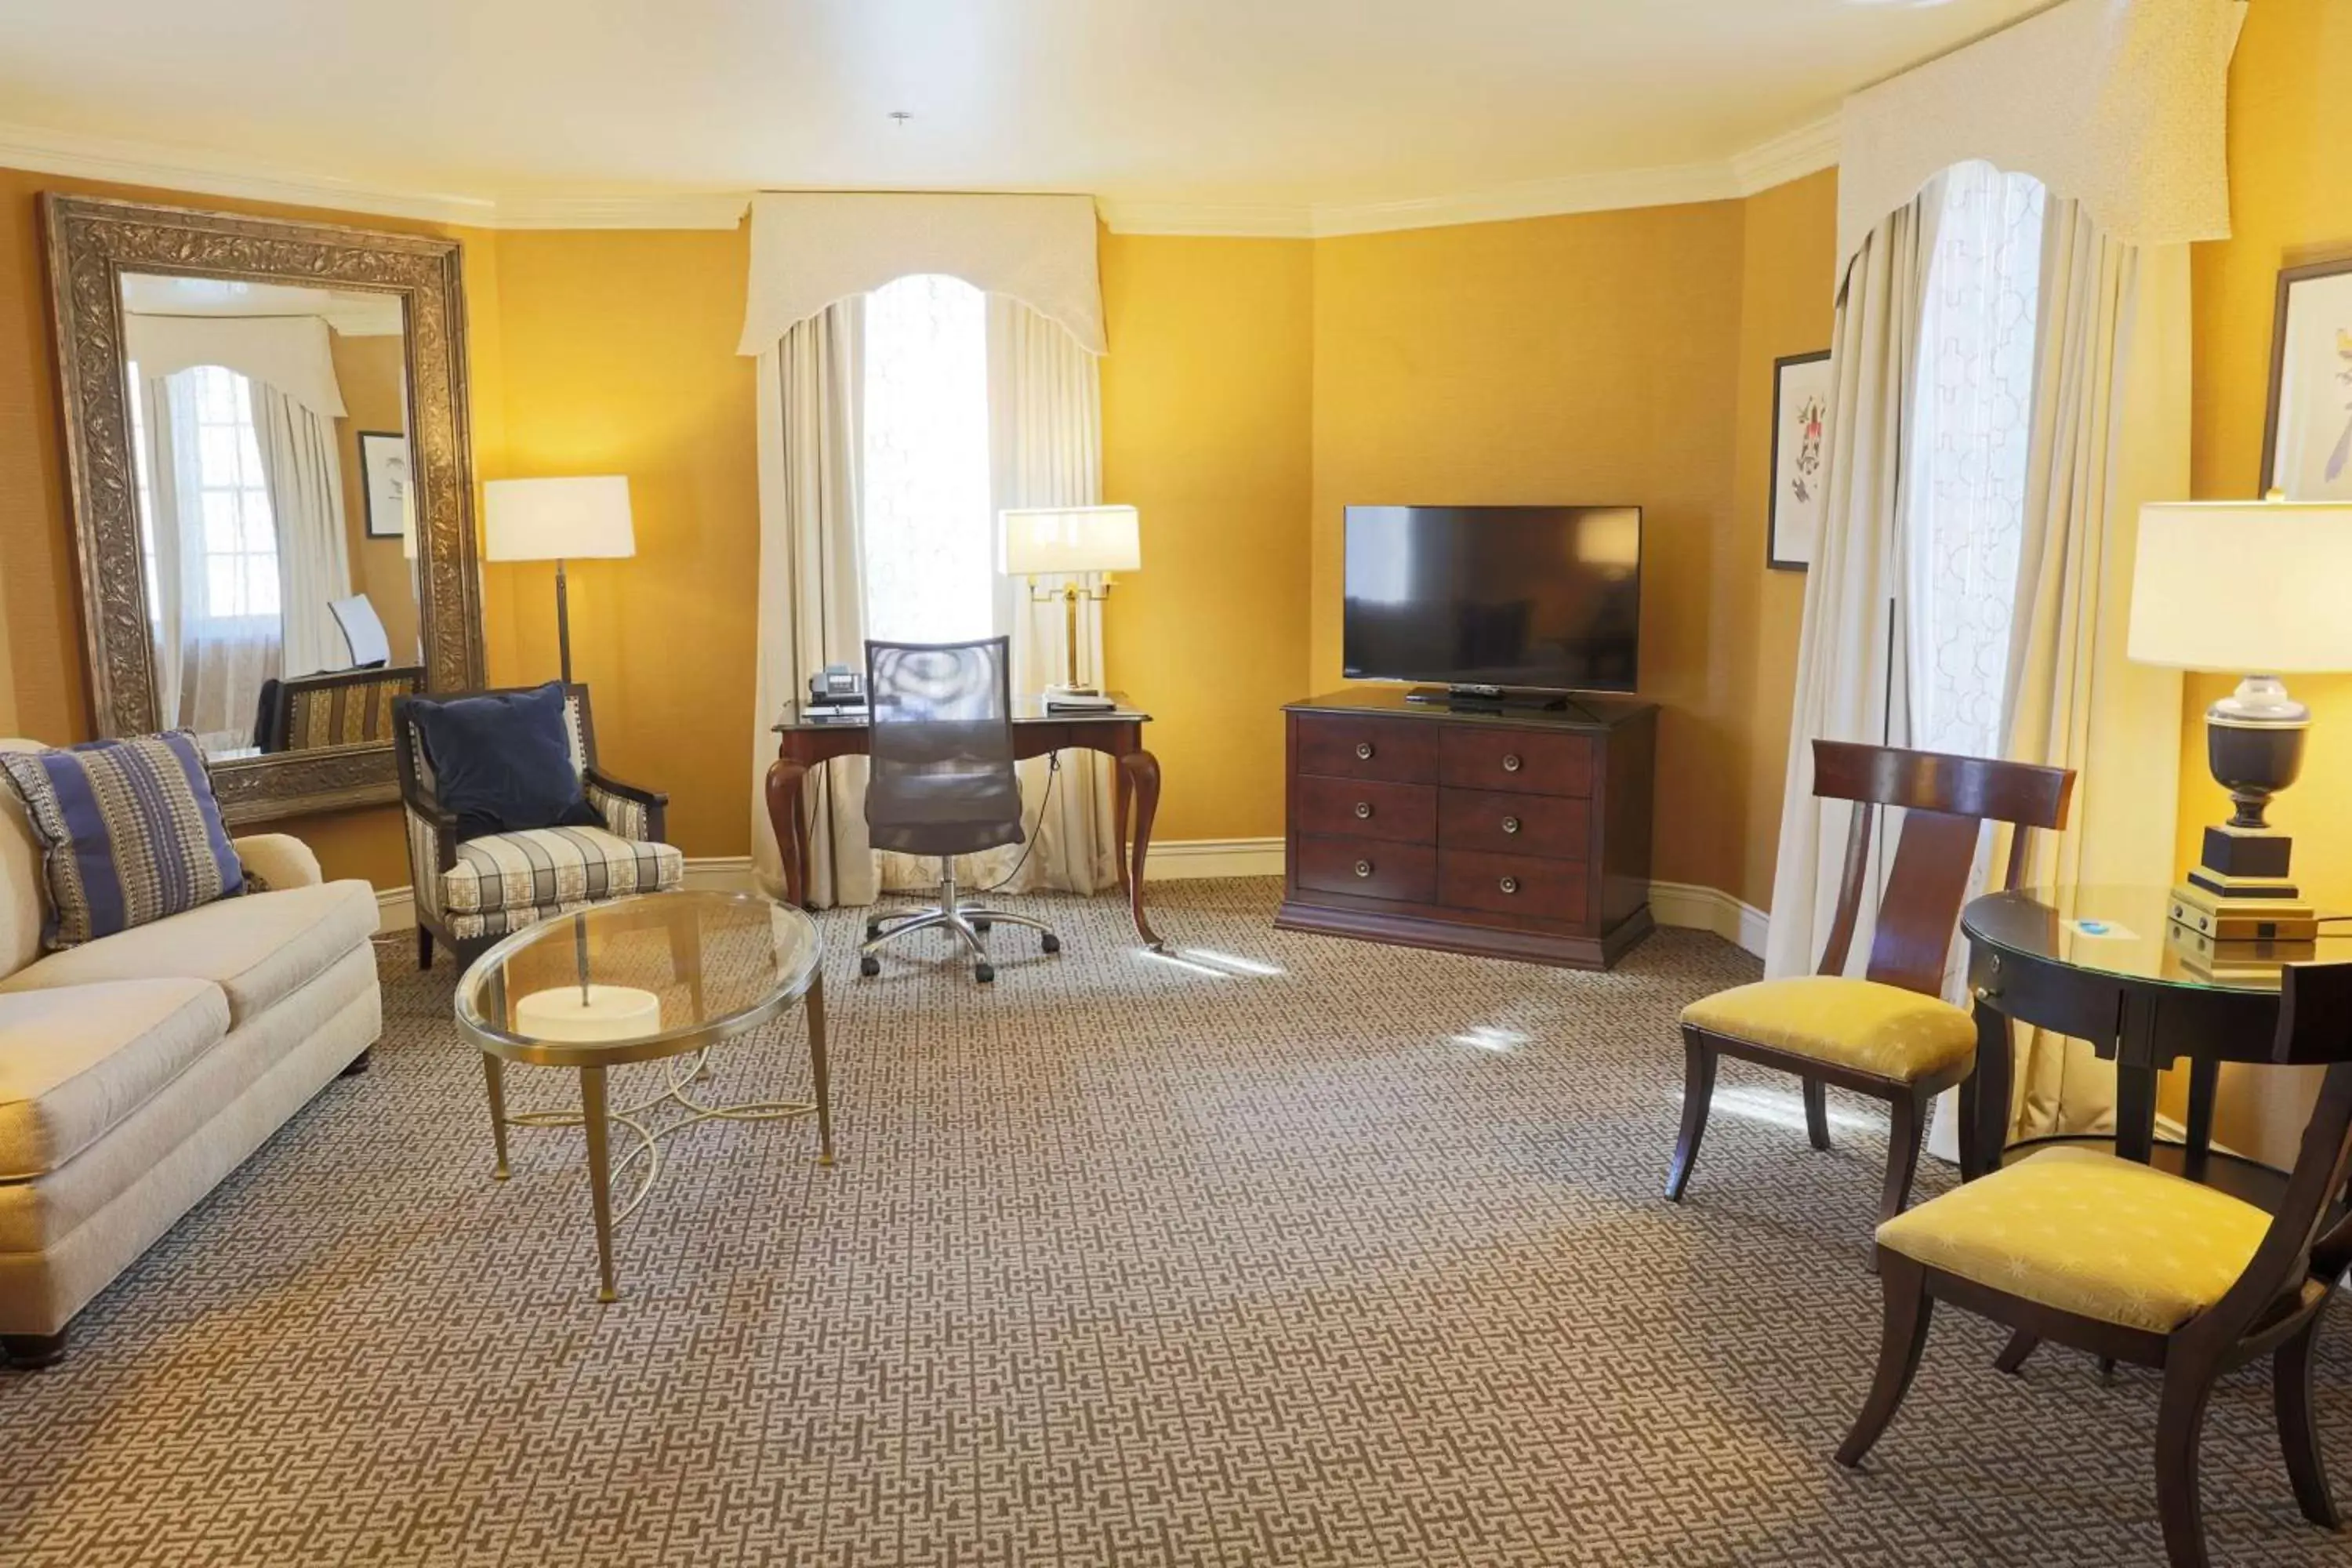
1069,541
558,519
2257,589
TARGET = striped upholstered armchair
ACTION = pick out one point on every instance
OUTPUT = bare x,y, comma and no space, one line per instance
471,892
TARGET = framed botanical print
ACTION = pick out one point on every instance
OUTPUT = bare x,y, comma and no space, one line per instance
1801,412
383,465
2307,432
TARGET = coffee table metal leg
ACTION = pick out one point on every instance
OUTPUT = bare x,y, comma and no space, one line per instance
819,1076
494,1073
594,1113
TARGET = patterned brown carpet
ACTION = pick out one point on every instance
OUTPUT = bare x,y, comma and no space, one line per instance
1299,1251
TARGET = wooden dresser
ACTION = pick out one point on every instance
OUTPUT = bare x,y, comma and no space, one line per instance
1520,835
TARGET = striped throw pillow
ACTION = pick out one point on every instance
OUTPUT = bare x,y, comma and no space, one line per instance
129,833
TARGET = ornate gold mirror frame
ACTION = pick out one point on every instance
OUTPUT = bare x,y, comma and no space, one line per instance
91,243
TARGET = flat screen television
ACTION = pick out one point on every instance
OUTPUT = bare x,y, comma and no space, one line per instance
1545,598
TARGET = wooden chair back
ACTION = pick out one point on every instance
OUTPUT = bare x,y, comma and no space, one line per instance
2314,1028
1947,800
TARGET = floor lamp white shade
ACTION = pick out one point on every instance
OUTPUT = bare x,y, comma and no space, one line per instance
558,519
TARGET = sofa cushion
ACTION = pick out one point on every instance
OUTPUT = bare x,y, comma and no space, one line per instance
75,1061
129,833
555,866
256,948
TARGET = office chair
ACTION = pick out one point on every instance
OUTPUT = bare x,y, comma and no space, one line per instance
942,780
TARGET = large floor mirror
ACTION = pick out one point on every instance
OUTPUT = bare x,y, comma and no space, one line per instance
266,424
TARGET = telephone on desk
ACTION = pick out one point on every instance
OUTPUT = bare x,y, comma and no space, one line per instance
836,691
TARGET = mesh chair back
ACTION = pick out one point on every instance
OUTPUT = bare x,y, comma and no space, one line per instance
941,779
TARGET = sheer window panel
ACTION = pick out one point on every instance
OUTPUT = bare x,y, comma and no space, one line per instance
930,528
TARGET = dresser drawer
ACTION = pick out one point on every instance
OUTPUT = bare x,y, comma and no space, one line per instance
1339,746
1369,868
1527,760
1512,885
1555,827
1368,808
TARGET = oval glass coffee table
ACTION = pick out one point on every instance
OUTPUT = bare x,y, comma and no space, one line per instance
659,977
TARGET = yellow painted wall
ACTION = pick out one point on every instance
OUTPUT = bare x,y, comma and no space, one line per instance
2289,201
1593,358
619,357
1206,395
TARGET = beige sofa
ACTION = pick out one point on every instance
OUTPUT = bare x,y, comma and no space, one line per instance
139,1069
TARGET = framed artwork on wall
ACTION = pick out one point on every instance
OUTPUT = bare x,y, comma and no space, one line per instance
1801,410
2307,431
383,467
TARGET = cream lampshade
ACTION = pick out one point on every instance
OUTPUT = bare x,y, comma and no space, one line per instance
1069,541
558,519
2254,588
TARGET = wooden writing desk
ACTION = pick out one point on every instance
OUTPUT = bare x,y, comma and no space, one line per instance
805,742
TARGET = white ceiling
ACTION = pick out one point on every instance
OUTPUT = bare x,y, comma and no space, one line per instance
1221,109
354,313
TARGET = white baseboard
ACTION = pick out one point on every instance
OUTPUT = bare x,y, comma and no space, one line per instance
1181,860
1695,907
1680,904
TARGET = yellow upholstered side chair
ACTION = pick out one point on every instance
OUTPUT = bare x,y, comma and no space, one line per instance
1890,1035
2136,1264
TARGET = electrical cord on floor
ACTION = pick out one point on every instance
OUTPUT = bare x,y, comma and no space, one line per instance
1052,772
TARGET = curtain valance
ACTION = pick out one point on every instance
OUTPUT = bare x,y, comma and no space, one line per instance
2120,106
289,353
811,248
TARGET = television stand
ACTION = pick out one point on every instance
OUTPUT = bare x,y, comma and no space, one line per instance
1499,699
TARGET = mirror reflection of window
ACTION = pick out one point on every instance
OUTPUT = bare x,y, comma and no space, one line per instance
265,418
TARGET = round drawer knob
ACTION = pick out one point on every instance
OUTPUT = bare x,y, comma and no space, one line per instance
1363,809
1509,884
1510,825
1510,761
1364,751
1364,867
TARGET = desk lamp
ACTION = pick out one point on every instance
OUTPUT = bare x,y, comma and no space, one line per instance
2246,586
1067,542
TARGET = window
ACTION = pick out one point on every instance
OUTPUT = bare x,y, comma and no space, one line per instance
1972,425
239,574
930,569
225,533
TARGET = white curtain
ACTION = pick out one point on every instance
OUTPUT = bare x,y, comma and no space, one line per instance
1044,422
2111,431
209,667
304,476
1848,658
812,587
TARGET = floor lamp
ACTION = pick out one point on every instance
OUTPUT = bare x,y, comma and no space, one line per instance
558,519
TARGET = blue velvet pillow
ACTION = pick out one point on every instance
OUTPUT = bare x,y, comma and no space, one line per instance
502,762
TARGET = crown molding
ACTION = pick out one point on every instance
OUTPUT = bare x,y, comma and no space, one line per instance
1660,187
1804,150
717,210
1238,220
1793,154
195,172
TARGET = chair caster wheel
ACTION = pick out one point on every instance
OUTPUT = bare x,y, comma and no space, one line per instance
870,966
873,930
1051,943
982,926
983,973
